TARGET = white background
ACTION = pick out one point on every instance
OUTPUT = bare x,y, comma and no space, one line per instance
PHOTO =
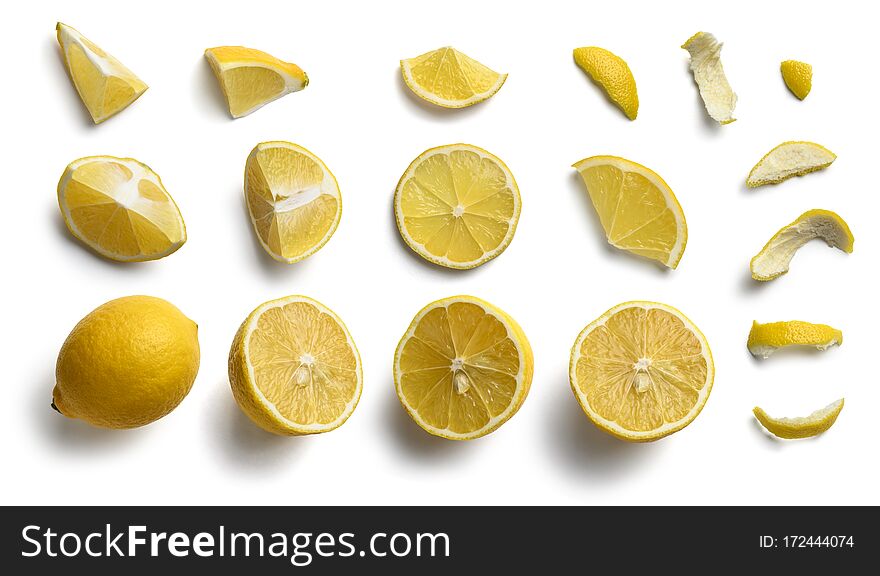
557,275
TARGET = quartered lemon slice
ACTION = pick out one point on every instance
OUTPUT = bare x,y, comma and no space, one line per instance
636,208
612,73
641,371
105,86
457,206
765,339
801,426
250,78
798,76
462,368
715,90
120,209
294,368
788,160
449,78
293,200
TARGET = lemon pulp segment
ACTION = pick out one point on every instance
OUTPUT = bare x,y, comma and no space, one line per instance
705,64
787,160
765,339
449,78
800,426
612,73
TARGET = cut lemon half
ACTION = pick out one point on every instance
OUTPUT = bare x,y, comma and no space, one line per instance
612,73
294,368
462,368
636,208
705,64
641,371
457,206
449,78
293,200
119,208
775,257
765,339
788,160
104,85
798,77
250,78
800,426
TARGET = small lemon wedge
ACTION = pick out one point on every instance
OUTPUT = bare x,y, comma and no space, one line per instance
788,160
774,258
449,78
798,76
718,96
250,78
801,426
765,339
612,73
105,86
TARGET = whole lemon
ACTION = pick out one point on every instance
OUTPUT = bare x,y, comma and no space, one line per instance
127,363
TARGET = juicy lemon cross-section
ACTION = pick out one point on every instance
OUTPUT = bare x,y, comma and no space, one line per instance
105,86
250,78
612,73
463,368
119,208
293,200
637,209
775,257
801,426
705,64
449,78
641,371
457,206
765,339
294,368
798,77
788,160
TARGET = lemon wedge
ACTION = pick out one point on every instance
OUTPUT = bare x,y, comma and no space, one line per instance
641,371
105,86
463,368
457,206
801,426
250,78
787,160
294,368
715,90
449,78
293,200
636,208
612,73
798,76
765,339
119,208
774,258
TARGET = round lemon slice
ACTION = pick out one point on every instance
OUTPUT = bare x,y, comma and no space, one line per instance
457,206
637,209
765,339
294,368
612,73
641,371
800,426
293,200
119,208
462,368
449,78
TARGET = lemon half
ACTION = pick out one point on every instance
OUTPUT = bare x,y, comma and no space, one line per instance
449,78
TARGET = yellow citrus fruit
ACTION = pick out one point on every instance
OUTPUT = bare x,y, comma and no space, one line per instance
715,90
612,73
293,200
775,257
787,160
449,78
457,206
250,78
105,86
127,363
463,368
641,371
801,426
637,209
798,76
119,208
765,339
294,368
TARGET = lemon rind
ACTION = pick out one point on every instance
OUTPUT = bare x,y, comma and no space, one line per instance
705,85
760,347
795,428
797,173
602,81
428,96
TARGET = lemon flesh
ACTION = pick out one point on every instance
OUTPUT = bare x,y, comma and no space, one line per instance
250,78
463,368
457,206
294,368
798,76
787,160
119,208
765,339
705,64
775,257
449,78
104,85
641,371
293,200
637,209
129,362
801,426
612,73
